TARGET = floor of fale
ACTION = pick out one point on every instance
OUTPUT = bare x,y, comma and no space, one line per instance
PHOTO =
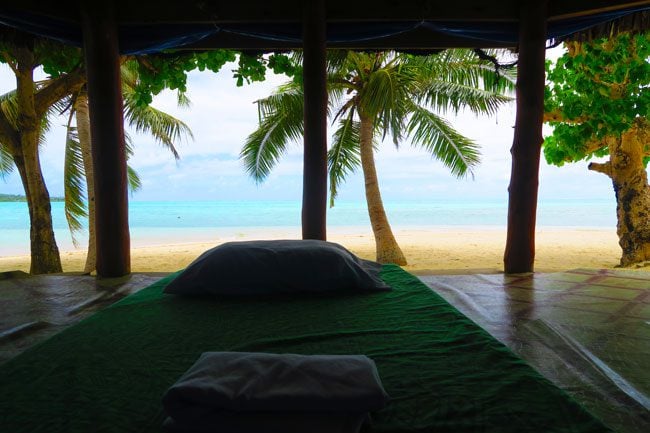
588,331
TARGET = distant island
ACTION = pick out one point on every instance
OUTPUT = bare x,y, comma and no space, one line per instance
16,197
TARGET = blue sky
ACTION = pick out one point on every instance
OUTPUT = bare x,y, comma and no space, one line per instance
222,115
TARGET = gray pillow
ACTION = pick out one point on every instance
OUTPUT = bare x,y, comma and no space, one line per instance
279,266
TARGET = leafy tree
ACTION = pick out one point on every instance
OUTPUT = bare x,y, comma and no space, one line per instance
23,122
373,95
597,101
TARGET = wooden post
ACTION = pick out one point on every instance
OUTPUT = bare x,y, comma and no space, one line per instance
314,193
526,148
107,137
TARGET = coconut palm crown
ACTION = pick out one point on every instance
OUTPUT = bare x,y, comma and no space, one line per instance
377,95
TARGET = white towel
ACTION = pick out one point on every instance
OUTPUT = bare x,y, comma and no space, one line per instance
261,392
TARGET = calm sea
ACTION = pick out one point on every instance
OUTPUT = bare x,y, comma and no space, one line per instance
174,221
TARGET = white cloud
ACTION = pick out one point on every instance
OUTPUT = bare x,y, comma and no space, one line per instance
222,115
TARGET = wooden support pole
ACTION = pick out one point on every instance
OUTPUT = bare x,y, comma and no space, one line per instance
314,193
107,137
526,148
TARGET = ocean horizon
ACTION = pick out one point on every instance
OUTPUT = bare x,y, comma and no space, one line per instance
166,222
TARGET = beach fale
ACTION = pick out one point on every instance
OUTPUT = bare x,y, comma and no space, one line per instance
441,370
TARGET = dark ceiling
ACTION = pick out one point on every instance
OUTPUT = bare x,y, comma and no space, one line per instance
154,25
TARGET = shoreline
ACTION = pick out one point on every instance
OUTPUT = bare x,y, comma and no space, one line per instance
428,249
163,236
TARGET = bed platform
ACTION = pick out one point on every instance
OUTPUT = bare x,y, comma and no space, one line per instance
443,372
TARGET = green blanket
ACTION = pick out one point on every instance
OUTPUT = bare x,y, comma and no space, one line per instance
443,372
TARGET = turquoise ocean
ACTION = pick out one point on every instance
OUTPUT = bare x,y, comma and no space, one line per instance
165,222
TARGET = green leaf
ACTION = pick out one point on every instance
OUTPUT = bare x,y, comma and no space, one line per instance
74,182
344,156
443,142
399,93
281,121
600,88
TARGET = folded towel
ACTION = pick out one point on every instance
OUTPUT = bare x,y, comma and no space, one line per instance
261,389
270,422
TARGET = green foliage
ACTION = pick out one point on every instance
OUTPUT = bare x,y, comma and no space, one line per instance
596,90
280,123
73,182
158,72
397,93
58,59
8,106
169,71
344,156
6,163
163,127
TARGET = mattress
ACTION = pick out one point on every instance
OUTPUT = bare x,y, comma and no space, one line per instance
443,372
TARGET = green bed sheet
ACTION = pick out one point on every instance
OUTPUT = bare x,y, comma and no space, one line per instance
443,372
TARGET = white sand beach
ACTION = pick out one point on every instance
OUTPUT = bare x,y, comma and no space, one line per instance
428,250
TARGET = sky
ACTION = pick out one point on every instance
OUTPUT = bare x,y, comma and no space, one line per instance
222,115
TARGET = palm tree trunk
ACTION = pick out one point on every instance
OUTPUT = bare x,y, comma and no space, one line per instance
44,251
83,131
388,251
630,180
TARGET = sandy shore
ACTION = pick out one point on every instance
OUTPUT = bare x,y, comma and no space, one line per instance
428,250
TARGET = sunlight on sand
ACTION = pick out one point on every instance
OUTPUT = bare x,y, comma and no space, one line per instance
429,251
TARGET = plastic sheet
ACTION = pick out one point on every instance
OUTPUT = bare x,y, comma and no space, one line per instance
33,308
588,331
158,37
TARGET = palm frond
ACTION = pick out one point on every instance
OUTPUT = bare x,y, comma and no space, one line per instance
58,108
128,145
182,100
132,176
336,60
455,79
9,106
165,128
380,94
444,96
281,121
462,66
343,108
129,75
385,97
135,183
344,156
74,184
442,141
6,162
284,94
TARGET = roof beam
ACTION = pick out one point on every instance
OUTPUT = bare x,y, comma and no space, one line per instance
266,11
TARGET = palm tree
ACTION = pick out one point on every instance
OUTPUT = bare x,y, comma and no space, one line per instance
78,171
374,95
22,123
